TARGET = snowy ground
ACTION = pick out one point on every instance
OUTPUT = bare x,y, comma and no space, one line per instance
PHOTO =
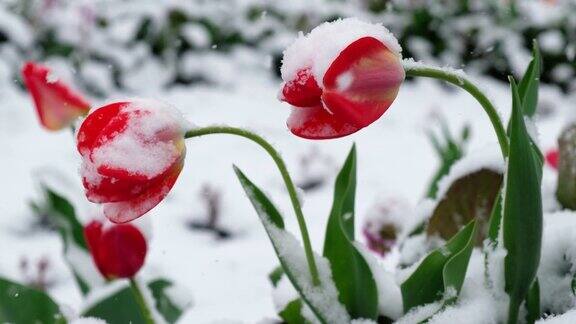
228,279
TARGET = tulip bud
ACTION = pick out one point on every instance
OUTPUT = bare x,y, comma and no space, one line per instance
340,78
132,154
57,104
118,251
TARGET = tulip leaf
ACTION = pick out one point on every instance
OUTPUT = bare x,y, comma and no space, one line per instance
351,273
292,313
522,211
441,273
469,197
495,219
533,303
63,215
528,86
274,225
21,304
275,275
121,307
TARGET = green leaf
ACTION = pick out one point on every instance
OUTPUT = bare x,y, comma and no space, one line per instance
442,272
469,197
528,87
274,225
121,307
276,275
533,303
292,313
62,213
351,273
522,211
495,219
20,304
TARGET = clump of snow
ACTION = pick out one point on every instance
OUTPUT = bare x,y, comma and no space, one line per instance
558,262
318,49
151,136
179,296
567,318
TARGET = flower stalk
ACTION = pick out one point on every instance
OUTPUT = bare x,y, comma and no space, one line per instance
141,301
196,132
460,80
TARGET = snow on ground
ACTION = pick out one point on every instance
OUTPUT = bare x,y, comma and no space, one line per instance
228,279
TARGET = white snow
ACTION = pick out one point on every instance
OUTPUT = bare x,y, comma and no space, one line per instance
335,37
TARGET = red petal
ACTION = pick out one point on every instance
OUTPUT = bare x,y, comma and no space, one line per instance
317,123
56,103
302,91
122,251
91,129
93,235
362,82
128,210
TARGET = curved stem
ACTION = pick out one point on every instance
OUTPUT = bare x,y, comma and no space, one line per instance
141,301
459,79
285,176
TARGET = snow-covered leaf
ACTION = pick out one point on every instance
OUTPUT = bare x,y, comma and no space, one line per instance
322,299
20,304
522,211
352,276
441,274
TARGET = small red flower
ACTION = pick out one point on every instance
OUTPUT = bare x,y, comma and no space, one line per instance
552,158
118,251
132,154
340,78
57,104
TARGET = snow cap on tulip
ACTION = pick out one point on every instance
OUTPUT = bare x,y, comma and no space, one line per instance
118,251
132,153
56,103
340,78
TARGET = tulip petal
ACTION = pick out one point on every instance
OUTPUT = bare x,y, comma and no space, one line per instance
57,105
122,251
362,82
128,210
317,123
302,91
91,128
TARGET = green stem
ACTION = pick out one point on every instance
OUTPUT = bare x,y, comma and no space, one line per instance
460,80
285,176
144,307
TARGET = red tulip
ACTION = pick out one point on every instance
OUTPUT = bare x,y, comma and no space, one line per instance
118,251
132,154
340,78
57,104
552,158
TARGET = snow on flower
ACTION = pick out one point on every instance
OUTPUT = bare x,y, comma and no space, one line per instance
56,103
340,78
118,251
132,154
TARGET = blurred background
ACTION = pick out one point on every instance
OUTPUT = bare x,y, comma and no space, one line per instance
218,61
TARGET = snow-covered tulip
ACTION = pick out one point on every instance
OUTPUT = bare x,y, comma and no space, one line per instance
132,153
552,158
56,103
118,251
340,78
